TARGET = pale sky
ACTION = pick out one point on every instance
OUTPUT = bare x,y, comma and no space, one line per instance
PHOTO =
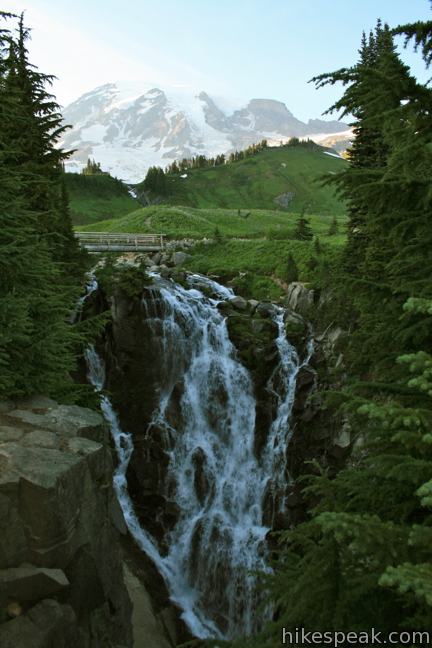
236,48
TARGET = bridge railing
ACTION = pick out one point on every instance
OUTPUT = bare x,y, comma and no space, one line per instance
118,240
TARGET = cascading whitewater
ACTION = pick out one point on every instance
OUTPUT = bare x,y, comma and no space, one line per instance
282,386
124,447
213,475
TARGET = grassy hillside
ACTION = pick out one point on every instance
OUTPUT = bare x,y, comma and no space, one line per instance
96,197
180,222
253,266
251,252
234,205
258,181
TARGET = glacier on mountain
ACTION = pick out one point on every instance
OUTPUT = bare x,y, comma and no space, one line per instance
129,126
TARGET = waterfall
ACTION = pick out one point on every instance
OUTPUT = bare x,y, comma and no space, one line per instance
282,385
213,475
124,447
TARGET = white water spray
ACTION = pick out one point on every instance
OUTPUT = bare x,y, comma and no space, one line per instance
282,384
214,476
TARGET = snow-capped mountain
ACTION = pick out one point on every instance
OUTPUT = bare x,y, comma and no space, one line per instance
129,127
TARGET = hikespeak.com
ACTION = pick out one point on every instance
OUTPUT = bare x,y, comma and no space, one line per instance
301,637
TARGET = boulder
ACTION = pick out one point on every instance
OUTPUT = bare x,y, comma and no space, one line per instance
343,437
225,307
156,258
30,583
180,257
10,433
295,327
58,539
164,272
46,624
68,420
299,298
305,377
265,309
239,303
253,303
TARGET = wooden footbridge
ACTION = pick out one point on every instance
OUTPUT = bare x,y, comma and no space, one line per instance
120,242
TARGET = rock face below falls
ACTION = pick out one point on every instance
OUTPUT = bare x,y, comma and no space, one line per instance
213,401
204,383
61,576
138,363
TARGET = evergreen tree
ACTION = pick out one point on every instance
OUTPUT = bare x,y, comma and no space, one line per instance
312,263
292,273
303,230
38,291
317,246
378,186
155,181
363,558
92,168
35,153
217,235
334,227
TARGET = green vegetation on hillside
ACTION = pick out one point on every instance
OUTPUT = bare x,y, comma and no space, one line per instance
94,197
201,161
363,559
187,222
286,177
93,168
258,268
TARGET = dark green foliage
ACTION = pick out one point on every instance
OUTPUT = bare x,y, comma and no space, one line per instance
41,265
334,227
303,230
99,185
317,246
292,273
129,279
305,143
155,181
387,188
202,162
312,263
363,560
94,197
92,168
217,235
420,33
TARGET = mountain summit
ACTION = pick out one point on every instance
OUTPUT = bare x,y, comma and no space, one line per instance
129,127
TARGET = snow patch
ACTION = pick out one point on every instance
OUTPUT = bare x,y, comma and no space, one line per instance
333,155
95,133
319,137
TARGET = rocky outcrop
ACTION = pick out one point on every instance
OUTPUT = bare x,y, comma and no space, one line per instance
139,366
320,433
300,298
61,571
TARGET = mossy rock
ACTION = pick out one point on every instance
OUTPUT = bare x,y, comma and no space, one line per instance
254,340
130,279
295,327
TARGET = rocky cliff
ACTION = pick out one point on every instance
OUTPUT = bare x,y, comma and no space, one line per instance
147,351
61,576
